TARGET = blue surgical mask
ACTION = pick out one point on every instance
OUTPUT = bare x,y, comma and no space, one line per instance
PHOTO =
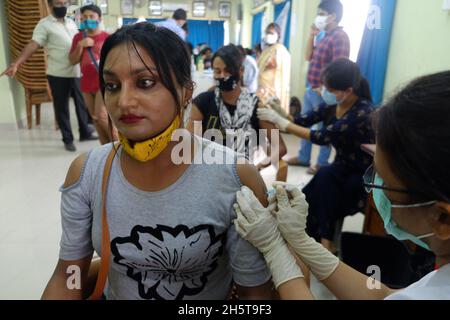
384,207
329,98
89,24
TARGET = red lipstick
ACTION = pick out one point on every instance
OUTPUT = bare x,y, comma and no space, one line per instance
130,119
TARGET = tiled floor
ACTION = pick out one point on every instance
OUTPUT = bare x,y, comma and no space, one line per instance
33,164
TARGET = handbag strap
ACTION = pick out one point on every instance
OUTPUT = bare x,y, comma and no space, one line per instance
91,53
105,246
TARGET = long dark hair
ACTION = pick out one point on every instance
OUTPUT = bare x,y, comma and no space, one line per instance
232,57
413,130
167,50
343,74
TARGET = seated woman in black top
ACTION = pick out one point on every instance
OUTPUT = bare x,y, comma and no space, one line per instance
337,190
231,109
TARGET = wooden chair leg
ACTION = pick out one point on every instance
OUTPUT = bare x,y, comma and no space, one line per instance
38,114
29,114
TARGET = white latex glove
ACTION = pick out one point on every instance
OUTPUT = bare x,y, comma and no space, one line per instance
259,227
275,104
272,116
291,217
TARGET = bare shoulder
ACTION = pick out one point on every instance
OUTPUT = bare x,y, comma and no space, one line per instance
251,178
196,114
74,173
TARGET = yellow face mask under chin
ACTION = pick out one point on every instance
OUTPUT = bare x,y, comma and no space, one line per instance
148,150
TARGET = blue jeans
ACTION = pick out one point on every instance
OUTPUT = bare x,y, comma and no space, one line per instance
310,101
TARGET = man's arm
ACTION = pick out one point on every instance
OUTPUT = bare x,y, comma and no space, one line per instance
309,49
26,53
310,44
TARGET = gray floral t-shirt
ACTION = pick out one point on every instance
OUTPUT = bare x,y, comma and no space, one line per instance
178,243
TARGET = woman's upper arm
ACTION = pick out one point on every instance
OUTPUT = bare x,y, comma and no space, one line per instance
75,170
73,273
265,125
196,115
251,274
268,127
262,292
251,178
76,212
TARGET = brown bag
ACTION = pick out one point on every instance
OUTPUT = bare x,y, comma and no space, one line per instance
100,267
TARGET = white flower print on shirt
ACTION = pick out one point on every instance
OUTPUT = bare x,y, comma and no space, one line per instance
169,263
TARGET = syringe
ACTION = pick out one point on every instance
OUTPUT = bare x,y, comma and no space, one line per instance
288,187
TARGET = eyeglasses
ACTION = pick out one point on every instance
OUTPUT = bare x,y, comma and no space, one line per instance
369,182
369,179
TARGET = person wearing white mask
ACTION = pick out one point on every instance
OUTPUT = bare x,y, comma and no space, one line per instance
410,184
274,68
334,44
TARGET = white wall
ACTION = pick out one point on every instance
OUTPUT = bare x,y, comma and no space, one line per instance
420,42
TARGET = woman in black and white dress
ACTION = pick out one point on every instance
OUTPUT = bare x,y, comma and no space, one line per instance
230,109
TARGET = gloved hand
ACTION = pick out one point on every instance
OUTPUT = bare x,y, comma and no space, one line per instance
291,216
272,116
275,104
259,227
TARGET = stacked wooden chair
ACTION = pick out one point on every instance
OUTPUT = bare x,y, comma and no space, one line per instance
23,16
